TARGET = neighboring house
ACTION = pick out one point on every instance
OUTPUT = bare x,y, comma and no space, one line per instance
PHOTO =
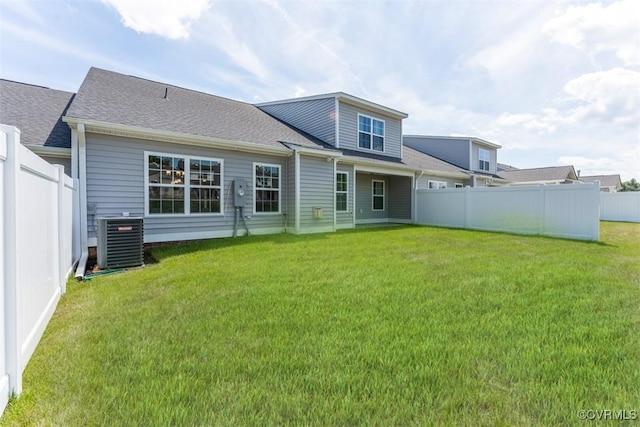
545,175
608,183
475,155
172,155
504,168
37,112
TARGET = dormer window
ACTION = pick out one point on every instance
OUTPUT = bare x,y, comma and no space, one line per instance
484,159
370,133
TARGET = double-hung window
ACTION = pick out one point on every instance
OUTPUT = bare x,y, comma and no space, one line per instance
182,185
341,191
377,195
484,159
266,188
370,133
205,186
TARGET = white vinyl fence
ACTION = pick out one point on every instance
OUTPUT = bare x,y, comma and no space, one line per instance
35,256
623,206
567,211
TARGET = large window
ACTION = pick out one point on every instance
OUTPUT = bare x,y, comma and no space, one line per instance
377,194
370,133
341,191
267,188
484,159
182,185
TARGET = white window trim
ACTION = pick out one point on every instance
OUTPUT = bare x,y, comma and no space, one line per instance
186,186
373,196
346,192
480,160
384,136
438,185
273,165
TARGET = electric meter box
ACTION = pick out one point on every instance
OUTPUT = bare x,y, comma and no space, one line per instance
239,192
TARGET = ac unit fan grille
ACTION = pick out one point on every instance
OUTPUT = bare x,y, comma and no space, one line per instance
120,242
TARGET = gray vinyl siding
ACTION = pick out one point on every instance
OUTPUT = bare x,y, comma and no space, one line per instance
315,117
317,185
115,184
455,151
348,130
66,162
399,197
364,201
345,219
493,156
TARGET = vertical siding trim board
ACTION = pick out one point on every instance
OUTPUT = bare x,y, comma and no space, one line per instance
337,120
335,184
297,181
353,206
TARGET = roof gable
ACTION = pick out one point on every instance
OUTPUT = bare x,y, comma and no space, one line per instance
553,173
605,180
37,112
343,97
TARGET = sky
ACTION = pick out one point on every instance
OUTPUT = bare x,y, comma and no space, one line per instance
553,82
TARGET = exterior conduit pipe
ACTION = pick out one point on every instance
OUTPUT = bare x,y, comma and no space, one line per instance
82,208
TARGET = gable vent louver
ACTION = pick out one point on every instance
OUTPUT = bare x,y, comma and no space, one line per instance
120,242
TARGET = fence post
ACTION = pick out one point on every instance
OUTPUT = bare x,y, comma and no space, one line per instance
467,207
62,283
542,196
10,225
596,222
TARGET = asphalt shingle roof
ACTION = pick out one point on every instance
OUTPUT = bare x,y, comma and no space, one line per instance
37,112
419,160
112,97
553,173
605,180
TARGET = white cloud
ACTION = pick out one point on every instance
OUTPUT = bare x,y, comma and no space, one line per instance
610,96
166,18
626,164
528,122
595,28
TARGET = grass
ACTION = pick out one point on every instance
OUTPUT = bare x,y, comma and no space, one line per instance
389,326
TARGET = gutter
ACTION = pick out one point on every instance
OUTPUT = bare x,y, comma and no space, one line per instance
106,128
58,152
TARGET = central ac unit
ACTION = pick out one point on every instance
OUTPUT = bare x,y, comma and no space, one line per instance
120,242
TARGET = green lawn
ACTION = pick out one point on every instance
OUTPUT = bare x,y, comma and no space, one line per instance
388,326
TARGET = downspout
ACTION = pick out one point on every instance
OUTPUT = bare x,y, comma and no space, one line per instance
75,249
82,201
297,203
